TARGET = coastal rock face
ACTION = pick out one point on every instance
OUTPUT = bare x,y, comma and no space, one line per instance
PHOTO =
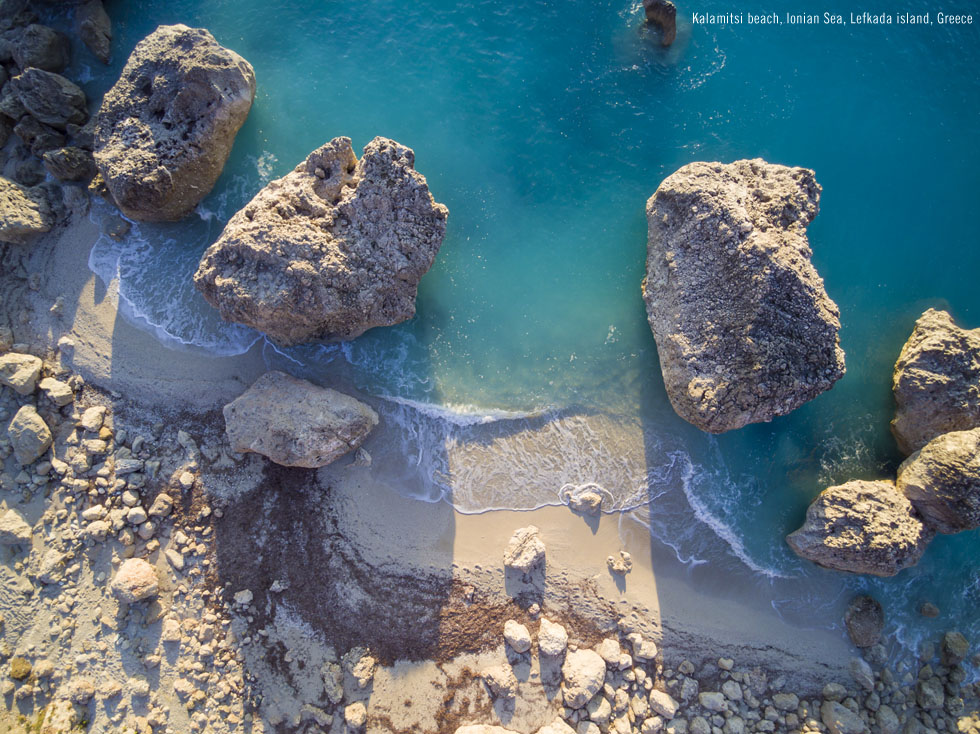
744,328
862,527
330,250
24,212
663,14
134,581
936,381
942,480
29,435
295,423
165,129
584,672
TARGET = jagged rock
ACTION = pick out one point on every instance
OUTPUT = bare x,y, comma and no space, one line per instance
663,14
525,551
936,381
295,423
862,673
40,47
501,681
552,638
94,28
50,98
29,435
663,704
14,530
588,502
942,480
60,716
517,636
332,249
744,328
583,672
19,372
25,213
165,129
862,527
620,564
841,720
39,137
864,620
955,648
58,392
70,164
134,581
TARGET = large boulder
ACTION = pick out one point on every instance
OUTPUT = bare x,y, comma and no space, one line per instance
862,527
29,434
25,212
39,46
744,328
165,129
330,250
936,381
584,673
50,98
295,423
135,581
942,480
663,14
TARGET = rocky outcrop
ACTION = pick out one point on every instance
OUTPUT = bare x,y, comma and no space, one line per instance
135,581
936,381
332,249
165,129
942,480
29,435
744,328
862,527
24,212
295,423
94,28
663,14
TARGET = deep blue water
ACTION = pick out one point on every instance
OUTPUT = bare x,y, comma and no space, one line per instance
544,127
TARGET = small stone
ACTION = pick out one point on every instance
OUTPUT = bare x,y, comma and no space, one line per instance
175,558
929,693
862,673
584,673
93,418
732,690
186,480
136,516
243,598
97,530
20,668
29,435
588,502
786,701
501,681
833,692
517,636
841,720
663,704
134,581
621,564
726,663
162,505
170,631
363,671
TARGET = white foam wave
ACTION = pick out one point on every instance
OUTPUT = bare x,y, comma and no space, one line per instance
466,415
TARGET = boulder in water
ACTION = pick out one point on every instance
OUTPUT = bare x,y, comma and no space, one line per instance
663,14
330,250
744,328
864,620
862,527
295,423
936,381
165,129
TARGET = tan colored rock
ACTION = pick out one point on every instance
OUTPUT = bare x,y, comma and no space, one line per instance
24,212
862,527
295,423
526,551
19,372
942,480
14,530
135,581
58,392
165,129
584,673
936,381
29,435
336,247
745,331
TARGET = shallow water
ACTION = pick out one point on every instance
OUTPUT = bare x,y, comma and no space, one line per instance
544,128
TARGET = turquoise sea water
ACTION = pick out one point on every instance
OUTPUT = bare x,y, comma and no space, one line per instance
544,127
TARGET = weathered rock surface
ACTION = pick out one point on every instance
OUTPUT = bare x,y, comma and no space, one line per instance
864,620
134,581
552,638
744,328
94,28
19,372
165,129
841,720
942,480
584,672
40,47
14,530
663,14
936,381
501,681
862,527
517,636
330,250
525,551
295,423
70,164
24,212
29,435
50,98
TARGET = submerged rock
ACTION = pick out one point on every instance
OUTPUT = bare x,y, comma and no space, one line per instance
942,480
936,381
330,250
744,328
864,620
25,212
295,423
862,527
663,14
165,129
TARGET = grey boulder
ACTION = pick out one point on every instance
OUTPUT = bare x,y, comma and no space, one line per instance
25,212
50,98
